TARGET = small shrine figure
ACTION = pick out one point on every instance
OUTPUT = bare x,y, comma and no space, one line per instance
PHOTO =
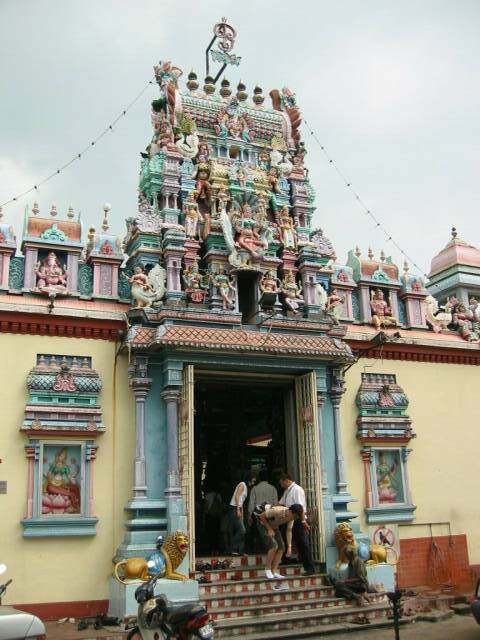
381,311
292,292
247,236
188,143
202,174
163,137
264,159
463,318
273,180
288,235
192,216
242,177
299,158
222,201
269,283
195,283
225,288
334,306
50,275
147,291
475,308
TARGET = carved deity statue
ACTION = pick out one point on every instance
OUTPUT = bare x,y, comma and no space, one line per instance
247,236
465,322
292,292
192,216
225,288
163,133
439,320
381,311
269,283
50,275
195,283
148,291
202,174
288,235
334,305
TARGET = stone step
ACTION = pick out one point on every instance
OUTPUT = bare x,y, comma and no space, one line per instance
241,598
274,625
256,584
244,560
315,631
244,572
257,608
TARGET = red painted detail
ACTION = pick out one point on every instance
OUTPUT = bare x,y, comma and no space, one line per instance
418,353
56,610
435,561
12,322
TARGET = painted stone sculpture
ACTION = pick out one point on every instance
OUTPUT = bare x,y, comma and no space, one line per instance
164,562
61,491
292,293
381,311
192,216
195,283
334,306
51,277
225,289
438,320
148,291
343,536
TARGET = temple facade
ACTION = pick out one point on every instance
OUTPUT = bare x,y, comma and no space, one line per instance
223,335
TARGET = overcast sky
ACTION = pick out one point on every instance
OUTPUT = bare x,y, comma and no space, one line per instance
390,88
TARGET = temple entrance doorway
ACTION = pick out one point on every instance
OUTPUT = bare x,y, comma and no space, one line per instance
239,428
233,423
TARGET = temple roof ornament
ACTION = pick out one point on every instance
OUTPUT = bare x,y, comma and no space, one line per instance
456,252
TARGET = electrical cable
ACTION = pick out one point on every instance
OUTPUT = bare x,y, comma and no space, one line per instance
378,223
78,156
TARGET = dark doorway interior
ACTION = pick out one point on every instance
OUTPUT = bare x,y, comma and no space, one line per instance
247,286
238,428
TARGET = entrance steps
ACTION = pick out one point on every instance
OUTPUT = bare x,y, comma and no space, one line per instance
242,603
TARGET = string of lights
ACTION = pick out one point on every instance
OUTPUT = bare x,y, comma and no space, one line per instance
378,224
82,152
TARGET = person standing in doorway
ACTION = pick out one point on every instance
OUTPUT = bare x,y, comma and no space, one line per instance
294,494
262,493
236,515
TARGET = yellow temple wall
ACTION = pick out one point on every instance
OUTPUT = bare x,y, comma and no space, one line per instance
59,569
444,463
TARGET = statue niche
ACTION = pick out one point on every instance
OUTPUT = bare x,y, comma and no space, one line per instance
51,277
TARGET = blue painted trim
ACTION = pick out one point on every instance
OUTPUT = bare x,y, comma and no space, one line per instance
65,526
395,513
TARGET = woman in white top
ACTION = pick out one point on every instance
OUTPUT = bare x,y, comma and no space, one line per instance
236,515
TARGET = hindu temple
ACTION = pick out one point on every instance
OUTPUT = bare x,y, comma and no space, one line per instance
222,335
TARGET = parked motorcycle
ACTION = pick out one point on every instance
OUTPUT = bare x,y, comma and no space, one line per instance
157,619
15,624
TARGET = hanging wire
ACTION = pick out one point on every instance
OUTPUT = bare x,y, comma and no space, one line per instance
367,211
78,156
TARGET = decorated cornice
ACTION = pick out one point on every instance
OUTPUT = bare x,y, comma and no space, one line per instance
63,397
382,405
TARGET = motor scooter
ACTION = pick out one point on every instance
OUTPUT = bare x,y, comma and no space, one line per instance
15,624
158,619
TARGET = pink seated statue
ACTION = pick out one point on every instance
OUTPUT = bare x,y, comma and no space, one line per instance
50,275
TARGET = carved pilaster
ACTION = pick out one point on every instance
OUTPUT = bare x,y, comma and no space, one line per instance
336,393
320,403
140,385
171,397
367,457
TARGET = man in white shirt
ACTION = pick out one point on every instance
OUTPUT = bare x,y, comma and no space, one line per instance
294,494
